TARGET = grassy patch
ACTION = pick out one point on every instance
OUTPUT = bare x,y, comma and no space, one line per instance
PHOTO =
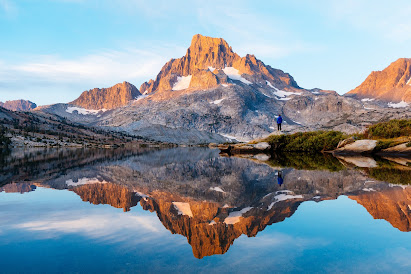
391,129
383,144
306,141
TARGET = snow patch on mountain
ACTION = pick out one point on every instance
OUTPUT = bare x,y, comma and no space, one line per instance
183,208
84,111
144,95
216,102
85,181
282,93
183,82
367,99
283,196
218,189
233,74
234,217
401,104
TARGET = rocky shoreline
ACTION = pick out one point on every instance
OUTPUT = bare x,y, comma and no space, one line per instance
346,147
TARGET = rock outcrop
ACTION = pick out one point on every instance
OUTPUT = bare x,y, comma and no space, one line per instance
107,98
18,105
392,205
393,84
112,194
357,147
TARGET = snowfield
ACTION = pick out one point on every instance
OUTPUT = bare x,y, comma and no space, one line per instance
85,181
84,111
183,208
233,74
401,104
234,217
282,93
183,82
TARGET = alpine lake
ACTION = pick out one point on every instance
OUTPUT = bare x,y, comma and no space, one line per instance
190,210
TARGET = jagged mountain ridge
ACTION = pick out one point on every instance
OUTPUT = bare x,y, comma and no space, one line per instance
207,60
393,84
18,105
213,95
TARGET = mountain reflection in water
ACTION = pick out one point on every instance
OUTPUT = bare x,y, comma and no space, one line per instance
209,199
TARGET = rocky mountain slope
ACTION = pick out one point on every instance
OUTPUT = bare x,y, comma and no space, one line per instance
39,129
107,98
213,95
393,84
18,105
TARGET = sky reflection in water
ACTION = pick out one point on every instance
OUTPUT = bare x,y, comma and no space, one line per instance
51,230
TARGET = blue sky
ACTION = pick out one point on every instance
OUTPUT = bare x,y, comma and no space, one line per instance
52,50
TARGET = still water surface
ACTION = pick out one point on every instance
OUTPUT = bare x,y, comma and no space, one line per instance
192,210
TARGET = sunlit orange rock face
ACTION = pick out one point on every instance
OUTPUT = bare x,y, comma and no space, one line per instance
391,84
112,194
206,231
206,54
392,205
107,98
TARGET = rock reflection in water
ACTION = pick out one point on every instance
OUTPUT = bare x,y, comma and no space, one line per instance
213,200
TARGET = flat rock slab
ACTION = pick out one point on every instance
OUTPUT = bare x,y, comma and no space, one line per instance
403,149
358,147
359,161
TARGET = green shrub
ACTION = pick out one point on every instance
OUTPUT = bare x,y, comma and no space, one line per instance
383,144
306,141
391,129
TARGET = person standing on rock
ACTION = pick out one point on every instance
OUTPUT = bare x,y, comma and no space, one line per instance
279,121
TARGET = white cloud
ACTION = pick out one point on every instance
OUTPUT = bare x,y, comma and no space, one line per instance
56,74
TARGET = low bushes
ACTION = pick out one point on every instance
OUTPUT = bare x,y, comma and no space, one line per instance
391,129
306,141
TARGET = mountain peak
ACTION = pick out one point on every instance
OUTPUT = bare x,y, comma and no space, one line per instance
207,52
18,105
393,84
107,98
205,65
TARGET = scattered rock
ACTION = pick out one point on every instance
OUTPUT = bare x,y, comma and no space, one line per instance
262,146
345,142
358,147
399,149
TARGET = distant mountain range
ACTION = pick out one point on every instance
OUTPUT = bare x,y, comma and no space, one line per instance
211,94
18,105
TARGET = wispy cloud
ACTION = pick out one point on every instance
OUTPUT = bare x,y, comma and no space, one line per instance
72,76
8,7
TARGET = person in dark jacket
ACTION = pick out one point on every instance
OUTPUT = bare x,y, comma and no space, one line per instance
279,121
280,179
